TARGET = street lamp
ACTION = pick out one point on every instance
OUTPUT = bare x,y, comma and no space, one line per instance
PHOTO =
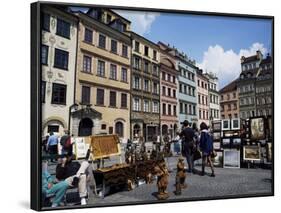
72,107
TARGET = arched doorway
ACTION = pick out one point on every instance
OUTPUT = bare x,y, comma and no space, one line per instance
119,129
136,130
85,127
164,129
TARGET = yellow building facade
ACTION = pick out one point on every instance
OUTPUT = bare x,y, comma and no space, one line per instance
102,93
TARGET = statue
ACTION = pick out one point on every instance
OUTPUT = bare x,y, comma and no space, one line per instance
162,180
180,177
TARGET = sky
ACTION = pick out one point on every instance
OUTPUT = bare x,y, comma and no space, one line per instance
216,43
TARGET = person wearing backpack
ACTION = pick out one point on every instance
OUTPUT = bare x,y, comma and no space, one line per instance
65,142
206,146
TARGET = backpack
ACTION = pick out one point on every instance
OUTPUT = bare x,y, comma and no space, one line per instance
65,142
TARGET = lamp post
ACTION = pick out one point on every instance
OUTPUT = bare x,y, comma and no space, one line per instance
72,107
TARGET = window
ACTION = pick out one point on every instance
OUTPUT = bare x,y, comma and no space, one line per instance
113,72
86,94
103,126
146,85
61,59
174,79
101,68
155,107
198,82
136,104
113,46
88,37
185,108
146,67
137,63
155,88
163,76
174,93
194,110
146,50
185,89
119,129
124,100
102,41
154,54
63,28
44,54
180,88
175,110
112,99
53,128
155,70
100,96
146,106
124,50
169,109
169,92
169,77
137,46
124,75
200,116
181,108
193,92
189,108
164,109
87,63
43,91
199,99
110,130
136,84
59,94
46,22
163,90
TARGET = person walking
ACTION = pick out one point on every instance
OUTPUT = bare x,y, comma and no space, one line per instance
206,146
188,145
52,146
65,142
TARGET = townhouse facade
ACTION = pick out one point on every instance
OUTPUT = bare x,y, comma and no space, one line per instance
264,88
168,98
203,98
103,75
145,89
58,57
229,101
214,104
247,84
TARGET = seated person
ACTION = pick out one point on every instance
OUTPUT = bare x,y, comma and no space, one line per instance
51,187
72,173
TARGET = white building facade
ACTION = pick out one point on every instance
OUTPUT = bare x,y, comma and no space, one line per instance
58,59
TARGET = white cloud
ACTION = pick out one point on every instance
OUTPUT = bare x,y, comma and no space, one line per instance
140,21
226,63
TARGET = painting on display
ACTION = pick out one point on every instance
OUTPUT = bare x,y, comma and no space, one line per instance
257,128
231,158
225,124
251,153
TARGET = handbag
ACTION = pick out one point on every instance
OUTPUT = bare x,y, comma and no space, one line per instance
197,155
214,154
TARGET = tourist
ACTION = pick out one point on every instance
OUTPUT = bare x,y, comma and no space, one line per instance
52,146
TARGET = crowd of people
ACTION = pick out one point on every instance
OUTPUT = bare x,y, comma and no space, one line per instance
68,173
190,143
194,143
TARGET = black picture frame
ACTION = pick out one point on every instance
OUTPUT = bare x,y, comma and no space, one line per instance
36,107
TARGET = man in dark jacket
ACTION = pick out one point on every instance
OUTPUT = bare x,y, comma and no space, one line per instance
188,145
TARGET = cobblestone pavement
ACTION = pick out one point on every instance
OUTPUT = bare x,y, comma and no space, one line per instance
228,182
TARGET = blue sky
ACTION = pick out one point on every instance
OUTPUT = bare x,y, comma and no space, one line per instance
216,43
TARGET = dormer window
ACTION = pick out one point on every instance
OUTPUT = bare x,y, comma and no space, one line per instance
242,76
